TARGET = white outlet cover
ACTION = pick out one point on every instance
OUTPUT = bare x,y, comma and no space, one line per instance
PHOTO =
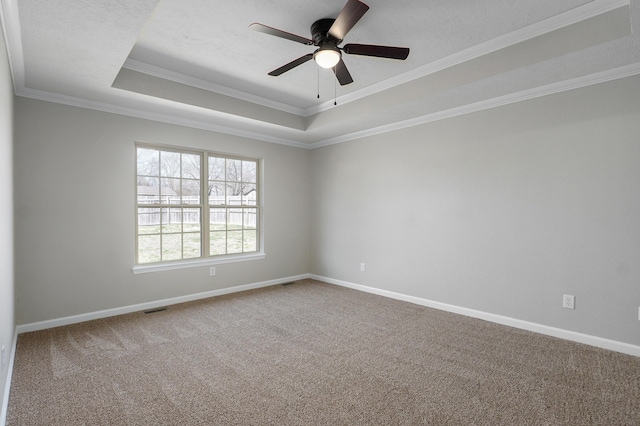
568,301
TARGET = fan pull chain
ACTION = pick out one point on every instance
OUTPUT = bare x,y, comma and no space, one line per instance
318,83
335,92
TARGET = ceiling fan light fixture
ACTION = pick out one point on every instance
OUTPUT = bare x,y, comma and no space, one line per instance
327,34
327,57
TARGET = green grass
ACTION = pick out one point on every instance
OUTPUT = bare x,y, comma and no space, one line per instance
165,243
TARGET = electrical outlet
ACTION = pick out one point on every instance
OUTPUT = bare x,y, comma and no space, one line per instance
362,267
212,271
568,301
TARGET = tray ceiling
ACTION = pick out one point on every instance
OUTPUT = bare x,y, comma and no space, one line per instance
196,62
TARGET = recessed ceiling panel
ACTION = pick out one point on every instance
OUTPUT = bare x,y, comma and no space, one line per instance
211,41
197,63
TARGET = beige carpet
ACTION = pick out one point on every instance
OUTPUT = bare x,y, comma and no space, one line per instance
314,354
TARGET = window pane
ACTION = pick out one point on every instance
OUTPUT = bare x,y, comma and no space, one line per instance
172,246
191,245
148,229
191,166
191,220
148,162
170,191
149,248
249,241
234,242
249,194
148,190
250,216
234,170
170,164
148,221
216,168
149,181
235,219
218,243
218,219
216,193
249,171
171,220
234,194
190,191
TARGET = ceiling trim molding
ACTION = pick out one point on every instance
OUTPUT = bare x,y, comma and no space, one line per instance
11,30
154,116
550,89
156,71
12,38
563,86
573,16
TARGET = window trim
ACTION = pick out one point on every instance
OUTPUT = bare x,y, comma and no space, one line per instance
202,261
196,263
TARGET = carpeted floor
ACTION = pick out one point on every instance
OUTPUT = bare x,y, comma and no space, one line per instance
314,354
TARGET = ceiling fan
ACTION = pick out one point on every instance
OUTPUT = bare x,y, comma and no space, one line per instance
327,34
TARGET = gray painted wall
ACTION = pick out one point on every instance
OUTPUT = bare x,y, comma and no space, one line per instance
501,211
75,212
6,212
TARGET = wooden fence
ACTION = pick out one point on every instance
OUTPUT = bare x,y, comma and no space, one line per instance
237,216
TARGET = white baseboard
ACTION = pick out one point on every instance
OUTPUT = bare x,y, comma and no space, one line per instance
599,342
43,325
512,322
7,384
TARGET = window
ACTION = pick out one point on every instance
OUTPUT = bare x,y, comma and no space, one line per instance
195,205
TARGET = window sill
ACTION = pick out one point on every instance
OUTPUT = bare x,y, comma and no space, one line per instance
143,269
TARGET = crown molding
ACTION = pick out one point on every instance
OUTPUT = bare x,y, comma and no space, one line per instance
550,89
573,16
563,86
11,29
154,116
156,71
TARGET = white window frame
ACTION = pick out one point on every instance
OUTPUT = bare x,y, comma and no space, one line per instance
205,258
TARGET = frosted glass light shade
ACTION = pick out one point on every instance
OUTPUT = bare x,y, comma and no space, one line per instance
327,58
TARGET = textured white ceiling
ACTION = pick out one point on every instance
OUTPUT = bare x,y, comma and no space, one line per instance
196,62
211,40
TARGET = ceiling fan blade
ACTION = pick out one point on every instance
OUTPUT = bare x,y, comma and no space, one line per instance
342,73
301,60
348,17
279,33
390,52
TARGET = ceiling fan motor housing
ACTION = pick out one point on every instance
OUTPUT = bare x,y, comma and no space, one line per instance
327,34
320,32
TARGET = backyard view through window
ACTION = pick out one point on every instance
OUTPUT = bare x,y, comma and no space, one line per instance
194,204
